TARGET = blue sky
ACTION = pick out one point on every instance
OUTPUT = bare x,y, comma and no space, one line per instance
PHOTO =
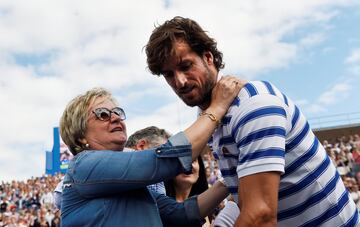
318,69
53,51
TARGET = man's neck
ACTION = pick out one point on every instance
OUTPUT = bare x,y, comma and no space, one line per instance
205,105
207,101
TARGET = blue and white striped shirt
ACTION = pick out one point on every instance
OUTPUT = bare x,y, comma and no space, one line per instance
264,131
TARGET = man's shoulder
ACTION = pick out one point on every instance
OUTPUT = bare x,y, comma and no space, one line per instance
256,88
260,93
257,97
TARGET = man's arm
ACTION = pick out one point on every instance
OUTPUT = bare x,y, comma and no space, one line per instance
258,199
259,128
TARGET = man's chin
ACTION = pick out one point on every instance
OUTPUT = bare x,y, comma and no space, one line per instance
197,101
192,102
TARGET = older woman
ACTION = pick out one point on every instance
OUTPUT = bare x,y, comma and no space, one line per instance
105,187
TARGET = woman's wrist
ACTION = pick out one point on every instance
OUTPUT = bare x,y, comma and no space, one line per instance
211,116
216,111
221,182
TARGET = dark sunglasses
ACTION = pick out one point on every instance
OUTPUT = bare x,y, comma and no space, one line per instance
104,114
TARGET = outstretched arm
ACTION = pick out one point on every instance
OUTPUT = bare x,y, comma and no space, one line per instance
192,210
211,198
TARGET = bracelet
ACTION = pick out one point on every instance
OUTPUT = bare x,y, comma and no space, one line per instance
210,116
222,181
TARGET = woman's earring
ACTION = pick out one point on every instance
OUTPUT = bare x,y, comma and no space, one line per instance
87,145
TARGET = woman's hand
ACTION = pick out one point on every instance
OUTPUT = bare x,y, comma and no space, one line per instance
223,94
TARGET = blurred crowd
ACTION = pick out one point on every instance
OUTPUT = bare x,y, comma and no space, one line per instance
31,202
345,154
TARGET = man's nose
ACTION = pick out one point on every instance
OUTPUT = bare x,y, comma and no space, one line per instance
180,79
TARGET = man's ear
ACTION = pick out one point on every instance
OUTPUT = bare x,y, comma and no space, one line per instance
208,57
142,144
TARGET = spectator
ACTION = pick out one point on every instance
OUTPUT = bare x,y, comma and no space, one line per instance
47,198
3,205
184,186
211,178
145,139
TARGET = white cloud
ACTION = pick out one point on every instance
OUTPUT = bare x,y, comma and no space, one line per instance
312,39
355,70
91,43
354,57
334,94
173,117
341,90
353,60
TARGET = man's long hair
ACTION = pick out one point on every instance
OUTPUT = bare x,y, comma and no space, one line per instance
161,43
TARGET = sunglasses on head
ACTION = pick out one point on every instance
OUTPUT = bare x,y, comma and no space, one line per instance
104,114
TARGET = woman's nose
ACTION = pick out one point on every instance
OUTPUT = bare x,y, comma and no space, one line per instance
114,117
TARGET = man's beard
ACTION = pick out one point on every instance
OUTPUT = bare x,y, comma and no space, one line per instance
204,99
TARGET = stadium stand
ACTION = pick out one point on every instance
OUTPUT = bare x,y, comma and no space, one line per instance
29,203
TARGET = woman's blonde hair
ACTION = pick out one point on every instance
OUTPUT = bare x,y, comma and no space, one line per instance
73,122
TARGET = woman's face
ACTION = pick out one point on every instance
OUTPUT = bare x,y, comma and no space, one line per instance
190,178
105,135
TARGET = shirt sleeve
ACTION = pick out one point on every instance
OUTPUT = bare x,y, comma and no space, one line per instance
99,173
57,199
227,216
259,129
177,214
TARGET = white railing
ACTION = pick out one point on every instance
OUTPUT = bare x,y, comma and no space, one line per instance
334,120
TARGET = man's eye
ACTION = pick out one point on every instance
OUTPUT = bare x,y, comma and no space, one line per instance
185,66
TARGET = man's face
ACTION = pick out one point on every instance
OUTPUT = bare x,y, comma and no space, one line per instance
191,76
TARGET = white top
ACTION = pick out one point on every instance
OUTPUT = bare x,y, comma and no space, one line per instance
264,131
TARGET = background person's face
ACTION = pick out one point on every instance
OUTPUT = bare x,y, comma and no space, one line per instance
189,178
190,76
105,135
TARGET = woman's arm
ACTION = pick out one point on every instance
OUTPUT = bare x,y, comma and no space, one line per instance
211,198
177,214
193,209
226,89
101,173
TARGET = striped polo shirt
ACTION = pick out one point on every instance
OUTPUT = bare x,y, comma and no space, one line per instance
264,131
